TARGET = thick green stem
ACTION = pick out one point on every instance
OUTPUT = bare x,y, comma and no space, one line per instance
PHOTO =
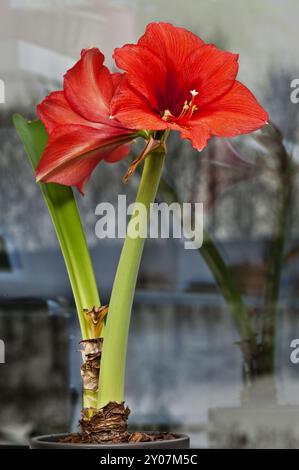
112,372
90,399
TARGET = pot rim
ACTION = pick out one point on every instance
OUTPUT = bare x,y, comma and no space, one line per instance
49,441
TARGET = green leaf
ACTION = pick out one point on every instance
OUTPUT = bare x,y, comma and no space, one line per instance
66,220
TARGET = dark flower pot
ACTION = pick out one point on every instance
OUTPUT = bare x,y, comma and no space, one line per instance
52,442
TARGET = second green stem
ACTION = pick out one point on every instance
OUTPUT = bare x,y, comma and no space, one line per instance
113,362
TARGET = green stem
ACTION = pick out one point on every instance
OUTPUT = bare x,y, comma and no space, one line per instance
112,372
90,399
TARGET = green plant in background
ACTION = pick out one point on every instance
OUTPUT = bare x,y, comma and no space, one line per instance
257,343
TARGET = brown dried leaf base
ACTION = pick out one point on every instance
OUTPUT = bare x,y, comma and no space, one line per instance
120,438
109,426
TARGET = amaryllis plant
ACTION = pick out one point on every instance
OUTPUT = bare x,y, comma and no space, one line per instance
171,80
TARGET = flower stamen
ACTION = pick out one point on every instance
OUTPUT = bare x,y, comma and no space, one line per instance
166,115
188,109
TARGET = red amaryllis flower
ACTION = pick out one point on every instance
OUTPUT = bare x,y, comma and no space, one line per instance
81,134
175,81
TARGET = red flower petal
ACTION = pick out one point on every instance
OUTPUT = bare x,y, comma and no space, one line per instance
73,151
236,112
198,134
209,71
84,166
69,173
117,154
55,110
145,73
88,86
116,79
156,64
134,111
164,67
169,42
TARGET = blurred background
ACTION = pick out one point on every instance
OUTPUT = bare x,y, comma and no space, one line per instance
209,349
